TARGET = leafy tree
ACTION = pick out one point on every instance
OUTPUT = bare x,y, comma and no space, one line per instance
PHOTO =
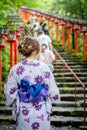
72,8
10,7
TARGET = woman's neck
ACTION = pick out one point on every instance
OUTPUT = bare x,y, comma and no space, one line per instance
31,57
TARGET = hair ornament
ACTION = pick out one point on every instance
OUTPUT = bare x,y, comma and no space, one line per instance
22,45
29,46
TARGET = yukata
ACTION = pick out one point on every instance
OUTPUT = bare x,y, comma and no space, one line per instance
44,39
47,57
28,30
31,89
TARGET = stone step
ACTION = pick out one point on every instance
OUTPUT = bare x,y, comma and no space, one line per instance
66,103
55,120
71,111
70,74
83,127
5,110
63,120
7,119
76,71
64,90
61,103
66,78
59,62
71,59
71,97
79,103
2,103
71,64
69,84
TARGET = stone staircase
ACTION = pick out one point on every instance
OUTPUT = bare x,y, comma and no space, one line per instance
67,112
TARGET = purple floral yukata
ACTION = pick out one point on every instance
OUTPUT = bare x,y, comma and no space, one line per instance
32,111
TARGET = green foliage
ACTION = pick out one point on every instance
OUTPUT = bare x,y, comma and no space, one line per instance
8,7
5,63
11,7
72,8
1,96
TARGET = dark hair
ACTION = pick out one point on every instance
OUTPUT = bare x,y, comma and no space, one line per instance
44,45
28,45
40,31
28,22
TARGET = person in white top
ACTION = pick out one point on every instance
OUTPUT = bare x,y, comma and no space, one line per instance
46,56
44,39
36,25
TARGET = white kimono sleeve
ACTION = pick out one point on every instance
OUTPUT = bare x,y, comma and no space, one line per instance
53,94
49,80
10,88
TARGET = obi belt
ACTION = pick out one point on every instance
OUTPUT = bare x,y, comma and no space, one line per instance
32,93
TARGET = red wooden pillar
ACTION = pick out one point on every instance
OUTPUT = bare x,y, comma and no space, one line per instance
76,28
52,20
84,45
84,31
57,25
15,52
63,36
63,33
11,53
2,46
48,18
69,48
29,15
69,26
76,42
26,15
23,14
13,47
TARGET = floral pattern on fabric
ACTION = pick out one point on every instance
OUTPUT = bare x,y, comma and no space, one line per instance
41,117
25,111
35,126
24,62
56,97
47,75
34,115
38,79
36,64
27,120
12,90
20,70
37,106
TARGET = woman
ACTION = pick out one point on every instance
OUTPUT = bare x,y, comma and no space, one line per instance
47,56
31,88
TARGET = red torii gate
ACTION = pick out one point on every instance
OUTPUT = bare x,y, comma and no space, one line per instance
12,38
66,23
75,25
71,24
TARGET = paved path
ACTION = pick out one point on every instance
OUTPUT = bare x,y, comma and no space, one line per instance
12,127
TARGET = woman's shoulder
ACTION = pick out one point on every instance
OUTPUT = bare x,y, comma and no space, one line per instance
43,66
16,65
